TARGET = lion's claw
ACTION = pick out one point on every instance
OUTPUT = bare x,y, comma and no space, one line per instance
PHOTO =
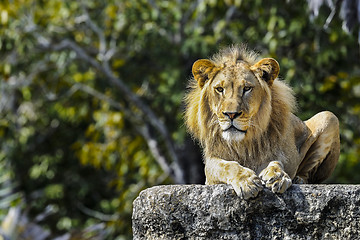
275,178
247,186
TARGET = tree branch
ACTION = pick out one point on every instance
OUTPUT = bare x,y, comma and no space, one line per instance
98,215
152,143
148,114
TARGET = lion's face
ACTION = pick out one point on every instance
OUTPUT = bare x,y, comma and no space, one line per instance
235,93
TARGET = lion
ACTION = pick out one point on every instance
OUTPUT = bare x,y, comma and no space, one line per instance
243,117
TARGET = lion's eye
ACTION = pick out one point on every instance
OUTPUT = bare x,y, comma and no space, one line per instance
246,89
219,89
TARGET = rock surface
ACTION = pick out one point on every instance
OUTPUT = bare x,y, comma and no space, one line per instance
215,212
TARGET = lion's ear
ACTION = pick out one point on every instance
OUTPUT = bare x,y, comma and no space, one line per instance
267,69
203,70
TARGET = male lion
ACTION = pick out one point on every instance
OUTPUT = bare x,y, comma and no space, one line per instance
243,117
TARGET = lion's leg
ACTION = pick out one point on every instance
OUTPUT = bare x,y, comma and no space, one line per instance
244,180
322,149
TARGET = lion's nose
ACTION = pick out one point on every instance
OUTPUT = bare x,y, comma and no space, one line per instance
232,115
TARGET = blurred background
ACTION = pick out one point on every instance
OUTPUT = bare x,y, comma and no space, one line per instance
91,108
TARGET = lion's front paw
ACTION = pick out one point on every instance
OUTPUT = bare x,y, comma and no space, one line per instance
275,178
247,184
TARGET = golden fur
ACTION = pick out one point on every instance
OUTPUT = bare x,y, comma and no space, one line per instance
243,117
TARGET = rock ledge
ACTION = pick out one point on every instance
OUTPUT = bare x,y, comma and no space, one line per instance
215,212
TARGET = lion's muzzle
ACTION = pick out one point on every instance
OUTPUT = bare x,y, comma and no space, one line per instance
232,131
232,115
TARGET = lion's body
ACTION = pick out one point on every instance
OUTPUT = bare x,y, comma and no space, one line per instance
243,117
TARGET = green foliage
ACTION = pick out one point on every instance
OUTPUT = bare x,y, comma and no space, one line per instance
73,138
